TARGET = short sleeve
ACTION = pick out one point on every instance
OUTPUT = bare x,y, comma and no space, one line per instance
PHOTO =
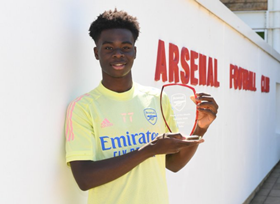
79,132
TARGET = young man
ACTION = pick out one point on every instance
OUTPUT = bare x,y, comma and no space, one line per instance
106,127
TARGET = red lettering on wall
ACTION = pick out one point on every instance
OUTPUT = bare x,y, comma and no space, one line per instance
197,68
236,77
250,81
216,82
265,84
194,56
241,78
202,69
185,75
254,82
246,82
231,75
194,68
161,63
210,79
173,63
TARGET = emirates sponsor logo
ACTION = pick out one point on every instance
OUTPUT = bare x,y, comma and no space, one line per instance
106,123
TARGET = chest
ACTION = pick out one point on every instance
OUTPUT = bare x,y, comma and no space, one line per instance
124,126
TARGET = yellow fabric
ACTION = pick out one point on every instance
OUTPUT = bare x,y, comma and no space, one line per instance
103,124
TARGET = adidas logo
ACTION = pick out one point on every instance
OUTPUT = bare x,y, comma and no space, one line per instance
106,123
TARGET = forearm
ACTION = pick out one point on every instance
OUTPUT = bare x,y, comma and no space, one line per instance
89,174
175,162
207,111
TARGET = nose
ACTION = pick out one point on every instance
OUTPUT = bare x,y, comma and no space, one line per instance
118,53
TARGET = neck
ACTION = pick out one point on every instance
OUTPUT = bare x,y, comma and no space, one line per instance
119,85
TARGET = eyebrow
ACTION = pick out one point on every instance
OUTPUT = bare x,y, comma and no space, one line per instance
124,42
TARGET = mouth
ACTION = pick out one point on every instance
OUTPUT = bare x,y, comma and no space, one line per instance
118,66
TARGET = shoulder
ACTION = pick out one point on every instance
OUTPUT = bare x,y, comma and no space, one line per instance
148,90
85,99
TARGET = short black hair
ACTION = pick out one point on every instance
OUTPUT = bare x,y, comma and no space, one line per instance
114,19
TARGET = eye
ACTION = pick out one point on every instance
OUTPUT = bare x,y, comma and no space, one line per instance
126,48
108,48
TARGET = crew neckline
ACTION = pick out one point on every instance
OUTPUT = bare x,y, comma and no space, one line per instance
115,95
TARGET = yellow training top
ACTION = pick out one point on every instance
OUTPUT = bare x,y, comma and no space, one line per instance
104,124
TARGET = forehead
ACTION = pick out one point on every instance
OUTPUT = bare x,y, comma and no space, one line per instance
116,35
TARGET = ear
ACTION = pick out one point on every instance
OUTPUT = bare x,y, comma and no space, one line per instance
135,51
96,53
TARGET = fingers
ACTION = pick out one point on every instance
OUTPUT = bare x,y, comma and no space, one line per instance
206,97
193,99
174,135
189,143
208,107
194,137
202,94
207,112
170,143
206,102
180,141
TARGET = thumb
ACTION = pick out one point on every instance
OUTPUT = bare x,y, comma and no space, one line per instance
193,98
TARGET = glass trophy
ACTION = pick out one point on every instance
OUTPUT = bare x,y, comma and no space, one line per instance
182,116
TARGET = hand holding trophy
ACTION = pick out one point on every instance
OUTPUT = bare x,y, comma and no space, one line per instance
187,115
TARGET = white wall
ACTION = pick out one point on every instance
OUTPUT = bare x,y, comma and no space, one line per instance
267,21
46,61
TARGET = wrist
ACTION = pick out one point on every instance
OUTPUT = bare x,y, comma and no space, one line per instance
147,150
199,131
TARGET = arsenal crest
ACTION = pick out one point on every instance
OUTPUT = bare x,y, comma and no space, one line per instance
178,101
150,115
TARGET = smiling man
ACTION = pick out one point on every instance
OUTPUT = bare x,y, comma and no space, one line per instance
116,142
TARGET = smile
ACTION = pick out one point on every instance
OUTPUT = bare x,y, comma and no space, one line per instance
118,66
